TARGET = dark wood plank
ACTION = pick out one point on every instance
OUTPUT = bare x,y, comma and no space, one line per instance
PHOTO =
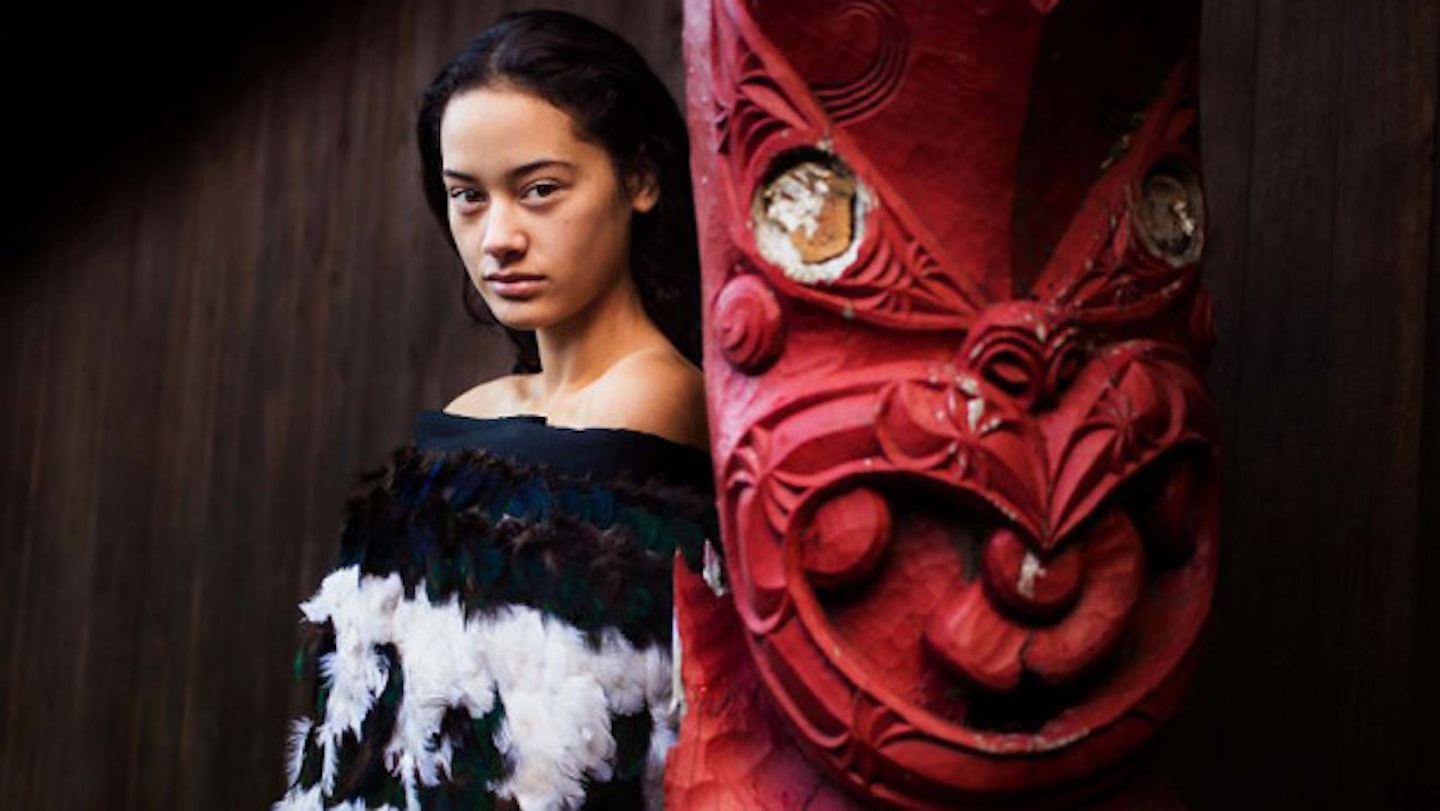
1278,325
1422,787
1379,266
1229,49
1307,690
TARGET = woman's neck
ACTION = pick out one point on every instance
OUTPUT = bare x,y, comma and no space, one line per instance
574,354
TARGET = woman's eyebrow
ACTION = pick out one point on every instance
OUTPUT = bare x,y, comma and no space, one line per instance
535,165
514,174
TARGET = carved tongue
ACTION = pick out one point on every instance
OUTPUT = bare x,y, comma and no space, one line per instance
1090,592
1036,589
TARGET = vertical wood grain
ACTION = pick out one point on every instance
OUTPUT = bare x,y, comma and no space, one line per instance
1308,695
1422,788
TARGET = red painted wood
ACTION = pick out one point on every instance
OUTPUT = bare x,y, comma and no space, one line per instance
966,455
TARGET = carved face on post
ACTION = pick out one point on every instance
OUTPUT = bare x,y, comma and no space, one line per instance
954,336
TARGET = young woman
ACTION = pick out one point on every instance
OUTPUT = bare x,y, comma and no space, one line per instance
497,631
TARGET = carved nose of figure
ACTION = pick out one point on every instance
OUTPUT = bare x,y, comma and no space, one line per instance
1027,350
504,240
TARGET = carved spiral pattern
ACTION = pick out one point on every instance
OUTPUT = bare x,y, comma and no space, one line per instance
866,93
749,324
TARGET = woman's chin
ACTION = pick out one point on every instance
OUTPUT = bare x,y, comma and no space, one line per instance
519,325
518,315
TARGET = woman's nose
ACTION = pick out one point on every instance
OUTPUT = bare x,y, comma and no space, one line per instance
504,238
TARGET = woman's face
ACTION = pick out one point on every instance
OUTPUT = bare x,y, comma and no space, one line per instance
540,216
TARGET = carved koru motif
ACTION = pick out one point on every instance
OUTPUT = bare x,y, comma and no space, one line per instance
965,453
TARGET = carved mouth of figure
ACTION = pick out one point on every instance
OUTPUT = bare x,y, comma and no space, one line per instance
1006,553
881,607
899,566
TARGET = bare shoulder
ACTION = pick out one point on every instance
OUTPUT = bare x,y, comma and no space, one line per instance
500,397
656,391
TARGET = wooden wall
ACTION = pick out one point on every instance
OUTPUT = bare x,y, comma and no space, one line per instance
201,351
204,344
1319,124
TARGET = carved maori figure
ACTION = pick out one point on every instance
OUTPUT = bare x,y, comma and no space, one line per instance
965,454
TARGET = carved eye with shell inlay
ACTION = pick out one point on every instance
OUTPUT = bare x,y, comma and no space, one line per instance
1171,213
808,216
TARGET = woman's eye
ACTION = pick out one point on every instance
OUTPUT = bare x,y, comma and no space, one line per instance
541,189
467,199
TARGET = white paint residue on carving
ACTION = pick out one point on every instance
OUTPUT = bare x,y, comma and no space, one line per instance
794,203
974,410
968,385
1181,211
797,199
1030,569
1045,743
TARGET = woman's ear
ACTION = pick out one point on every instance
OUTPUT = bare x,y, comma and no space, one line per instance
644,191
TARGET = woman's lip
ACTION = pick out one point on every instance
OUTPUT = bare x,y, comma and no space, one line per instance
515,286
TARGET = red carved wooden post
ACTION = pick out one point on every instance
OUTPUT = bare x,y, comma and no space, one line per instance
966,458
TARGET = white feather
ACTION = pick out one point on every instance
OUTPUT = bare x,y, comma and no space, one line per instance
407,778
662,737
330,747
360,609
656,671
359,805
512,641
556,735
295,758
559,693
444,666
557,712
338,587
297,800
361,612
617,668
